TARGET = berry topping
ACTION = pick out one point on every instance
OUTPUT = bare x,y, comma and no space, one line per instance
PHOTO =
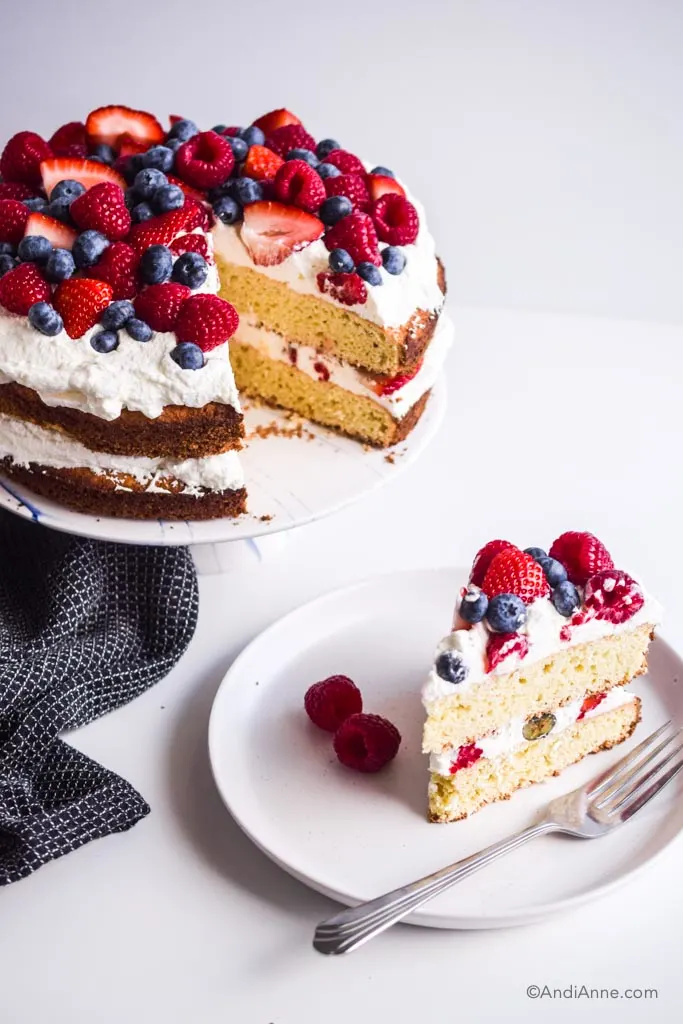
450,666
21,287
205,160
393,260
513,572
345,161
196,213
334,208
328,170
332,701
466,756
366,743
13,219
326,146
156,265
345,288
102,208
341,262
34,249
168,197
190,243
581,554
381,185
190,192
555,572
80,302
182,129
160,158
355,233
565,598
68,136
239,148
118,266
473,604
37,205
268,123
7,263
538,725
117,315
60,235
106,124
296,182
612,595
22,156
506,613
484,557
247,190
370,273
159,305
536,553
590,703
502,645
15,190
139,330
396,220
60,266
262,163
353,187
45,319
253,136
105,341
188,356
88,248
303,154
87,172
206,320
147,181
272,231
287,137
190,269
159,230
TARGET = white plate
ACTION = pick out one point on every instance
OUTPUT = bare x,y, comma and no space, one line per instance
354,836
294,480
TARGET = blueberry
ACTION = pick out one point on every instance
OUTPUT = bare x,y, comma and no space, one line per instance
219,128
303,154
239,147
188,356
34,249
117,314
139,330
60,265
183,130
473,605
156,264
555,572
450,666
333,209
45,319
104,153
105,341
7,263
7,249
566,599
159,157
37,205
393,259
173,144
328,171
227,210
168,197
383,171
190,269
369,272
130,198
247,190
129,168
220,190
326,146
506,613
140,212
341,262
252,135
59,209
538,725
536,553
88,248
67,189
147,181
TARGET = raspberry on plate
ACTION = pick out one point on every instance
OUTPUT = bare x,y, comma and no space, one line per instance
366,743
331,701
581,554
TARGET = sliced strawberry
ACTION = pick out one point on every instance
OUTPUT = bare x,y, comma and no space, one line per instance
88,172
106,124
127,145
349,289
80,301
198,214
388,385
191,243
381,184
193,193
275,119
71,134
159,230
261,163
61,235
272,231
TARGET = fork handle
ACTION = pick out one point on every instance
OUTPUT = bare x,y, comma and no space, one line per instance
352,928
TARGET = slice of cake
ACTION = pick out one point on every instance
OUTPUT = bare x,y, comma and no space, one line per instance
532,677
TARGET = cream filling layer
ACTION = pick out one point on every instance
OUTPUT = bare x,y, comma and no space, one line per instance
26,443
322,366
511,737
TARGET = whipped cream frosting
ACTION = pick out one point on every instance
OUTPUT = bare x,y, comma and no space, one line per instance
28,443
511,737
309,359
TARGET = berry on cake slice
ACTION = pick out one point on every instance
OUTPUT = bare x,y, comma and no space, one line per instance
275,119
80,302
467,755
331,701
366,743
159,305
102,208
22,157
349,289
118,266
272,231
388,385
484,557
107,124
590,703
299,184
261,163
159,230
207,321
22,287
60,235
68,136
13,218
379,185
612,595
191,243
87,172
396,219
501,645
581,554
513,572
356,234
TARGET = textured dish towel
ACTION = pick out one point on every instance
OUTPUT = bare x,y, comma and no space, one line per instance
85,626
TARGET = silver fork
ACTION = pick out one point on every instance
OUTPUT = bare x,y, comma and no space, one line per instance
593,810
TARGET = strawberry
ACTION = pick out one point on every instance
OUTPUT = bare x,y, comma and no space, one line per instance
396,219
345,161
355,233
15,190
611,595
126,145
352,186
118,266
275,119
71,134
388,385
272,232
88,172
21,287
13,217
467,755
102,208
349,289
193,193
261,163
205,160
61,235
581,554
159,230
501,645
298,183
80,301
287,137
74,152
590,703
514,572
484,557
198,216
207,320
106,124
191,243
22,156
159,305
381,184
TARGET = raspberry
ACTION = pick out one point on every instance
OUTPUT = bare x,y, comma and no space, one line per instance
191,243
388,385
590,703
366,743
102,208
288,137
159,305
332,701
205,160
206,320
484,557
514,572
299,184
71,134
13,217
396,219
15,190
118,266
345,161
21,287
612,595
355,233
581,554
80,302
21,158
348,289
353,187
466,756
262,163
502,645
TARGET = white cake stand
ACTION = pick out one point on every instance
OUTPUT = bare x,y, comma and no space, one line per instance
291,480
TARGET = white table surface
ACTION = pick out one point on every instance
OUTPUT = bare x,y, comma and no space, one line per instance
182,921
